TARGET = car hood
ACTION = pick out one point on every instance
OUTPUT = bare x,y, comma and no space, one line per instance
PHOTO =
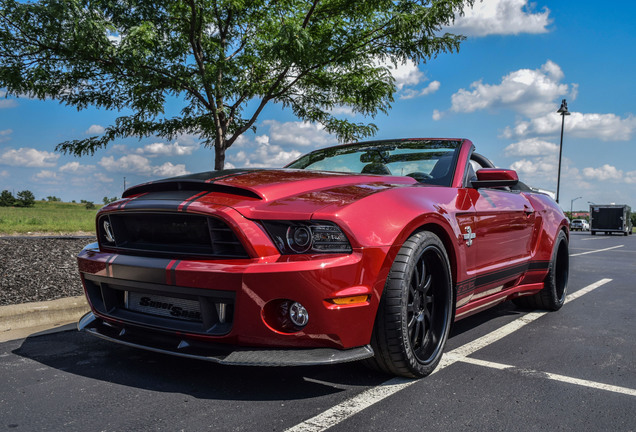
268,193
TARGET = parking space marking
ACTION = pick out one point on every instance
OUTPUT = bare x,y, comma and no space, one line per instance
550,376
597,250
355,404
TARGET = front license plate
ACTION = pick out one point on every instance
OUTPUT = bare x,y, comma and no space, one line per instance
169,307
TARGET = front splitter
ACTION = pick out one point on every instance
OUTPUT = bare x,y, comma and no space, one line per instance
219,353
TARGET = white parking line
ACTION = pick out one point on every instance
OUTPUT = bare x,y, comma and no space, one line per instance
551,376
354,405
597,250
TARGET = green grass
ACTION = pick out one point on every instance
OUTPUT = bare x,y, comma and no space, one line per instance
47,217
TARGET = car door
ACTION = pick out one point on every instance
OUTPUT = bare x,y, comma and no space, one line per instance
501,235
504,222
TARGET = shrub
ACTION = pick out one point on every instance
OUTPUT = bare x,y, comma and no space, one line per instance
25,198
6,199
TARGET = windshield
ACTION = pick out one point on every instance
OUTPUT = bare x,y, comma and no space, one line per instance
428,161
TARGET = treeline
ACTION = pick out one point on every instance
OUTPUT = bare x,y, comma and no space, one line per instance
26,198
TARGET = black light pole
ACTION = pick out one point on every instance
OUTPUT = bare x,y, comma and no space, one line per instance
571,204
563,111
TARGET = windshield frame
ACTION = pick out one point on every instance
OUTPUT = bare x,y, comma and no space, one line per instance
382,147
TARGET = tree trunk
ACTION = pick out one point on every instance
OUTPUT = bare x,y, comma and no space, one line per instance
219,154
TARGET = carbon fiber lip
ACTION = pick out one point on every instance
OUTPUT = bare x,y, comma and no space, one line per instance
218,353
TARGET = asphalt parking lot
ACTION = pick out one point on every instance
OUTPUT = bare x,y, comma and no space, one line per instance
504,369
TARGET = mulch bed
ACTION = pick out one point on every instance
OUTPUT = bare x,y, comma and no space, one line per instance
39,268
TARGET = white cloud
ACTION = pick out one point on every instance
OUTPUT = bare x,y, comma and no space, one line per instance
262,140
77,168
163,149
607,127
545,167
170,170
630,177
136,164
342,110
531,147
263,156
7,103
437,114
534,93
103,178
29,157
406,74
298,134
4,173
431,88
528,91
605,172
5,135
47,177
95,130
501,17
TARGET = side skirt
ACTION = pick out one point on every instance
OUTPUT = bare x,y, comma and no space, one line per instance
500,297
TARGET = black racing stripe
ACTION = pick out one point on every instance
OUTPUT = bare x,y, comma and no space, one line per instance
195,182
152,204
151,270
109,266
193,199
500,275
466,286
180,196
173,272
539,265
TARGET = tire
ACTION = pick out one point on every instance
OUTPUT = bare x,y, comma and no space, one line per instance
593,232
552,296
416,309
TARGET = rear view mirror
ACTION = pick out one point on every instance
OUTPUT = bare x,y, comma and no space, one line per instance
495,177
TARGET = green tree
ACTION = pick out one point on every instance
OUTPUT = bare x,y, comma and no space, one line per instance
107,200
25,198
223,60
6,199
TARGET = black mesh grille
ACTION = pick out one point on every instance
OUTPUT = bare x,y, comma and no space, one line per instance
114,298
169,234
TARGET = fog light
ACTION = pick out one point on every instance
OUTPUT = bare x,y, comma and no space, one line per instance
298,314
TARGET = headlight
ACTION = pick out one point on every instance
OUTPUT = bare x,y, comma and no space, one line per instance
297,237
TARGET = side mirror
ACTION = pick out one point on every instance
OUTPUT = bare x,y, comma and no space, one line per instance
495,177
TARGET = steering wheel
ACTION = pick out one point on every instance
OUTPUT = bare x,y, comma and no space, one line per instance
420,176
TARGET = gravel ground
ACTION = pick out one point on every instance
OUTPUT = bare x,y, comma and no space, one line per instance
39,268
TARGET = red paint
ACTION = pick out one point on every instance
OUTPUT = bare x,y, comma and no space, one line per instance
514,236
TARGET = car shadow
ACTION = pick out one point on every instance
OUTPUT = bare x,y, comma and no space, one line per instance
83,355
80,354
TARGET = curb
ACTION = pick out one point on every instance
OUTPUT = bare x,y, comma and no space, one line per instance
37,314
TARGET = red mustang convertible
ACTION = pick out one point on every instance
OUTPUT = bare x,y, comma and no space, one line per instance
360,251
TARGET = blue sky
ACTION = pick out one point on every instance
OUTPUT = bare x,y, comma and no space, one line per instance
501,91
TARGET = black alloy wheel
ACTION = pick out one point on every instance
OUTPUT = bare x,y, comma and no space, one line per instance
416,309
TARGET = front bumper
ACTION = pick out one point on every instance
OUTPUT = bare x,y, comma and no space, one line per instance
218,353
246,288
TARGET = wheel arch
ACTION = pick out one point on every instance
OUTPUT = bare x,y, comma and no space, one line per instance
442,228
